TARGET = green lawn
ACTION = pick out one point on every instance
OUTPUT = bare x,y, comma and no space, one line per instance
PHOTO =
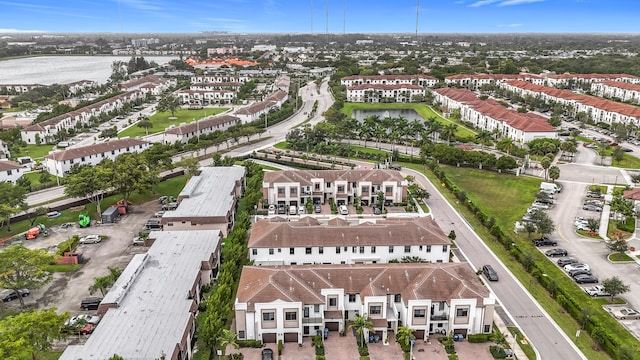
425,111
500,201
628,162
162,120
615,257
35,151
44,355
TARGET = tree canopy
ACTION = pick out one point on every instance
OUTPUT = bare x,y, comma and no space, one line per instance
22,268
30,331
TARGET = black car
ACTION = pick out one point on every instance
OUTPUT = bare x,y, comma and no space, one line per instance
585,279
566,261
90,303
12,294
544,241
490,273
556,252
576,272
267,354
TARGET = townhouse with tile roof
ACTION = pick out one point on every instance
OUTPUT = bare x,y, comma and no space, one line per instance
624,91
11,89
422,80
298,187
59,163
572,80
77,86
46,130
282,241
254,111
291,302
491,116
600,110
206,97
373,93
184,132
477,81
153,84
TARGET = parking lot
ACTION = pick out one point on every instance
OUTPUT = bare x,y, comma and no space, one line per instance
66,290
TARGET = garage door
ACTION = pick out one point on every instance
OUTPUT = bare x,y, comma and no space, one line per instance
290,337
419,334
268,338
332,325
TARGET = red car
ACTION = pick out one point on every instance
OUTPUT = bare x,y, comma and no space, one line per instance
87,329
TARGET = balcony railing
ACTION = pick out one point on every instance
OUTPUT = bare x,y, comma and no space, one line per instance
439,317
313,320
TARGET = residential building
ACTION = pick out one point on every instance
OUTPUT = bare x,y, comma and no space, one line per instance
254,111
373,93
77,86
12,89
263,47
206,97
297,187
577,80
422,80
196,128
291,302
11,171
59,163
150,311
279,241
153,84
208,201
491,116
477,81
221,77
4,150
624,91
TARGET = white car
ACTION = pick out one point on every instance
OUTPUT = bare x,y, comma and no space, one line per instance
89,319
344,210
576,266
625,313
90,239
272,210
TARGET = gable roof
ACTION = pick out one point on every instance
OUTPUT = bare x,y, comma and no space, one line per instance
79,152
208,122
305,177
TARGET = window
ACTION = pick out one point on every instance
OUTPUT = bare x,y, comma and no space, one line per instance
280,191
361,249
375,310
407,249
321,250
316,308
293,192
337,249
340,188
397,298
254,251
270,251
290,315
487,328
333,302
373,249
268,316
388,189
390,249
307,251
444,248
292,251
419,313
241,334
428,248
352,298
328,185
364,190
462,312
306,312
354,249
8,172
316,186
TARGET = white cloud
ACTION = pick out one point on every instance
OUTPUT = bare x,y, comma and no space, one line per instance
142,5
510,25
12,31
518,2
483,3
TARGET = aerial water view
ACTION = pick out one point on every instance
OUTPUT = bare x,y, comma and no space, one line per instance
311,180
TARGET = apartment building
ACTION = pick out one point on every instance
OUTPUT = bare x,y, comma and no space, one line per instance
59,163
373,93
11,171
291,302
153,84
575,80
150,311
298,187
279,241
254,111
491,116
208,201
477,81
196,128
206,97
12,89
624,91
422,80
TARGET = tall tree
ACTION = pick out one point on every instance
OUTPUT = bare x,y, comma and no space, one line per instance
484,136
448,131
554,173
23,268
12,201
130,174
30,331
190,165
169,102
615,286
360,324
404,336
91,182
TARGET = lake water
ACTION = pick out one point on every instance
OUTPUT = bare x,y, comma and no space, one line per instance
49,70
408,114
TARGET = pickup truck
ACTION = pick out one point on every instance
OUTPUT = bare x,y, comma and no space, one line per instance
544,241
597,290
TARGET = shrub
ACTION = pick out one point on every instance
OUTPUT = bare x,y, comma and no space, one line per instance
68,245
497,352
453,357
320,357
478,338
280,347
363,350
249,343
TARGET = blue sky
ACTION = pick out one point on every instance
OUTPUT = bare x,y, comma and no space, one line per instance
251,16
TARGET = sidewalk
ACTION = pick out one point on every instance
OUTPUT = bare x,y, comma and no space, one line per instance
515,346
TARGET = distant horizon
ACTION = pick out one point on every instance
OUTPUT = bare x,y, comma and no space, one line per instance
322,16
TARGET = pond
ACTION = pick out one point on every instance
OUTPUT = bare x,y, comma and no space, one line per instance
409,114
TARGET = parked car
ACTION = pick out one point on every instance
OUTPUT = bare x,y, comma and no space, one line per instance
281,209
625,149
594,194
576,266
556,252
582,226
90,303
625,313
541,205
82,330
89,319
317,208
585,279
158,214
590,207
271,210
139,241
267,354
566,261
9,295
292,210
343,210
544,241
597,290
169,206
577,272
301,210
90,239
376,210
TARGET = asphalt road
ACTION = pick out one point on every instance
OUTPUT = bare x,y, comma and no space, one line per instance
546,337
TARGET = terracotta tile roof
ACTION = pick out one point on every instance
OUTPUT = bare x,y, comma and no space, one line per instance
304,177
633,194
592,76
255,108
386,87
460,95
79,152
435,281
208,122
388,77
277,95
9,165
620,85
492,76
418,231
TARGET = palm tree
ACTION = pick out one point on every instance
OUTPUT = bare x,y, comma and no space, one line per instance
404,336
227,338
360,323
507,144
448,131
484,136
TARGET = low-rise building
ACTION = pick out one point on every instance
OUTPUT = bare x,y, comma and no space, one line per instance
422,80
373,93
196,128
277,241
208,201
617,89
290,302
59,163
11,171
297,187
150,310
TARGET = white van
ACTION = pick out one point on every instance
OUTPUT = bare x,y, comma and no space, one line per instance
292,210
550,187
343,210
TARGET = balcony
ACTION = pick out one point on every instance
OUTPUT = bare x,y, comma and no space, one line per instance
442,317
313,320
